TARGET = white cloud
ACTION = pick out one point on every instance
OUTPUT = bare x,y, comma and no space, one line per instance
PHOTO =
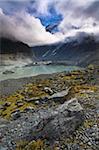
26,28
78,16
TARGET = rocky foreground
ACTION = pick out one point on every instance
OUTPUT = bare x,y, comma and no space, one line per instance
59,112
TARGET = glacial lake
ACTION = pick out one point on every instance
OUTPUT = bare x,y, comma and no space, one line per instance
20,72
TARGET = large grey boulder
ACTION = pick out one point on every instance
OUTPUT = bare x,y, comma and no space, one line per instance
51,124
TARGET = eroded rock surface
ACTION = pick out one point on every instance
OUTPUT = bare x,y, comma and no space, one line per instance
50,124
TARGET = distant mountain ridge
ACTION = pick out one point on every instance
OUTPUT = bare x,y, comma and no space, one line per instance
70,52
73,52
12,50
8,46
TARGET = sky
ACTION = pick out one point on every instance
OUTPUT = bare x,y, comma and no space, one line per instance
26,20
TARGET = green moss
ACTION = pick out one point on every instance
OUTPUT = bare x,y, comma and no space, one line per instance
91,67
30,90
33,145
13,99
89,106
88,123
75,80
20,145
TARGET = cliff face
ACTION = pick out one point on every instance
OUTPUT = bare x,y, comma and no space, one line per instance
73,52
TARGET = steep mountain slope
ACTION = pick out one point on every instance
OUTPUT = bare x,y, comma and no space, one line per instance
72,52
11,50
8,46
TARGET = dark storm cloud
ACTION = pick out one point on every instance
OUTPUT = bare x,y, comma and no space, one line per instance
11,6
93,10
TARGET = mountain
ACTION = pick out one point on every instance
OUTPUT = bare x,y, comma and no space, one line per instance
8,46
71,52
52,28
12,50
74,52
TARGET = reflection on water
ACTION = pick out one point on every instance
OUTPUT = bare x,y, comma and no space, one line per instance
20,72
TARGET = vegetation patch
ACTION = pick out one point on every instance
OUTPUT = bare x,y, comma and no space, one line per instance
88,123
33,145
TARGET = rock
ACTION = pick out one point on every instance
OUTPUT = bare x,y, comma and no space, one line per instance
8,72
89,143
48,90
45,123
19,103
7,104
33,99
2,107
37,102
3,123
40,86
59,95
29,109
16,114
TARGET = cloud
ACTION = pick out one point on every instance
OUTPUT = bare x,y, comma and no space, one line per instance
11,6
93,10
41,7
78,16
25,27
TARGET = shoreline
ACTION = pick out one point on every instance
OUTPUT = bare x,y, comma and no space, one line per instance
30,70
10,86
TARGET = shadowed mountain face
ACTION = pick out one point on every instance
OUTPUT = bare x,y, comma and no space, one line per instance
11,50
73,52
8,46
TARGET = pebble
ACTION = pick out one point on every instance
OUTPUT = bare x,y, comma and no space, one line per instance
7,104
37,102
89,143
20,104
48,90
29,109
1,107
16,114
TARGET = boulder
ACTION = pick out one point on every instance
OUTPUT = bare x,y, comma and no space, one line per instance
8,72
50,124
